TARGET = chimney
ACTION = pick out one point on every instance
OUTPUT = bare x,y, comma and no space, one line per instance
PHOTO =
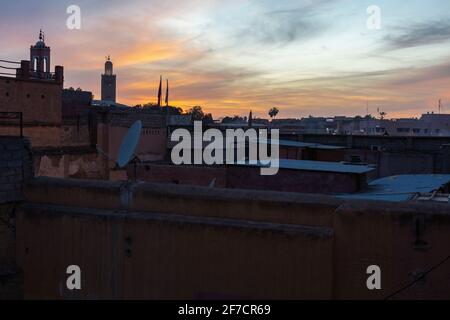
24,71
59,74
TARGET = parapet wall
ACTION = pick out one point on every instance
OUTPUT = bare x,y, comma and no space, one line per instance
80,162
155,241
246,177
386,143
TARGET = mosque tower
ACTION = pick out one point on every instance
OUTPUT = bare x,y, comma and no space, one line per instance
40,58
109,82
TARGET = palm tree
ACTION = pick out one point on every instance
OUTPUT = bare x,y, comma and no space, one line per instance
273,112
382,114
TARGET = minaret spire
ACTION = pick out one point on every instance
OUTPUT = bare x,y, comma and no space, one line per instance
167,105
160,92
167,93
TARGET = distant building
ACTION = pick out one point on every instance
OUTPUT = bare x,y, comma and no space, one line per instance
75,102
57,122
310,125
35,93
113,123
40,58
429,124
109,82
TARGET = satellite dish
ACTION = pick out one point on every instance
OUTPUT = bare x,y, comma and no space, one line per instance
129,144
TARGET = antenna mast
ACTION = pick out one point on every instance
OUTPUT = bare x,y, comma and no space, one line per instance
367,107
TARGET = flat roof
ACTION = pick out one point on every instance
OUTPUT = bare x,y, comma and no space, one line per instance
401,188
106,103
300,144
307,165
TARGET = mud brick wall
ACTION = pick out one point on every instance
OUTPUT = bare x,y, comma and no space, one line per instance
16,167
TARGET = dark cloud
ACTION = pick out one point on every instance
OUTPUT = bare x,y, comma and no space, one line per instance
355,77
283,29
285,25
418,76
419,34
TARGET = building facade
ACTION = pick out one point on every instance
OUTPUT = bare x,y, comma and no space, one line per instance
35,93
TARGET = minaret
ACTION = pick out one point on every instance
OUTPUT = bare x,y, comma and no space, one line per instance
40,57
109,82
160,92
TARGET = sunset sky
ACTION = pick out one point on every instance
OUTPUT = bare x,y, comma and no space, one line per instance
313,57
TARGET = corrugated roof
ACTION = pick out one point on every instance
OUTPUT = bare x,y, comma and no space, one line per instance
401,188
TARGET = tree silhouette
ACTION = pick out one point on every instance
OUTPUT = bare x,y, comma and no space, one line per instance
197,113
273,112
381,113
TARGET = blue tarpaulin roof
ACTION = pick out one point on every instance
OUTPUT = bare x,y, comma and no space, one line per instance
401,188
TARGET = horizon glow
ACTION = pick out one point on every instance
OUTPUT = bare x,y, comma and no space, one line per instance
307,57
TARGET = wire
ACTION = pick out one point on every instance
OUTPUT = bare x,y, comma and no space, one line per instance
8,68
422,276
6,61
7,74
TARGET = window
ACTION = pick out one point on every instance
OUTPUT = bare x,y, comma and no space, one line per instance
28,96
7,94
35,64
45,65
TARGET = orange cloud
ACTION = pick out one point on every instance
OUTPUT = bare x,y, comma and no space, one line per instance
146,53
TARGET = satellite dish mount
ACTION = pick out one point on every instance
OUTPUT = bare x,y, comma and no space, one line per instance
128,148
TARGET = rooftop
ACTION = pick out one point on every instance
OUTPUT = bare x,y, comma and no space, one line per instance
402,188
307,165
299,144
